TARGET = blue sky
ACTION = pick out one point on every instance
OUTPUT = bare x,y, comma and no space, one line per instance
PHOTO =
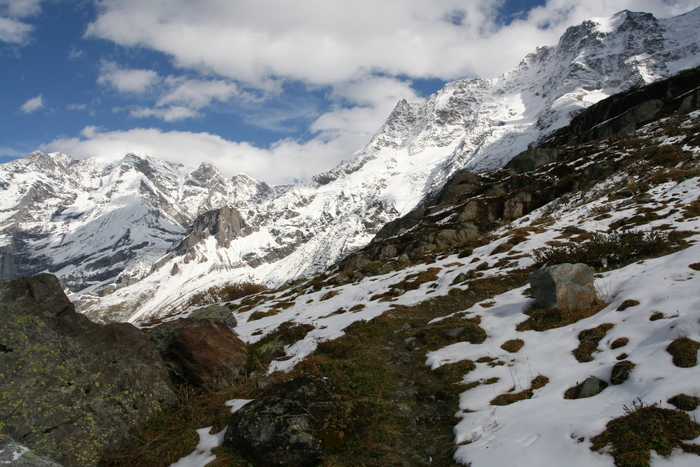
278,89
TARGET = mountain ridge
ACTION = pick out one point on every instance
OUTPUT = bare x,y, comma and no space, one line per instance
126,273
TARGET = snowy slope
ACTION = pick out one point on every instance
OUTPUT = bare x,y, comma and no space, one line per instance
546,428
477,124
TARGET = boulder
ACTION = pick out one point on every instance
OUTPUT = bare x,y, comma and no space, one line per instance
70,388
564,286
18,455
590,387
222,313
296,423
204,353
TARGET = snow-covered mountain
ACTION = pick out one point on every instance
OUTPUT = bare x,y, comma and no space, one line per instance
138,237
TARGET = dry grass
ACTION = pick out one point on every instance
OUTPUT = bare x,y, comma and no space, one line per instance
511,398
513,345
631,438
621,372
542,319
589,340
627,304
620,342
684,351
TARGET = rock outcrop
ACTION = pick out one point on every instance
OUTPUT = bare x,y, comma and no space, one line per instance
219,312
201,352
70,388
295,424
564,286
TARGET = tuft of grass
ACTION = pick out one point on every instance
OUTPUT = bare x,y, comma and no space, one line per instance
657,315
511,398
627,304
513,345
589,340
685,402
644,428
684,351
542,319
621,372
620,342
695,266
328,295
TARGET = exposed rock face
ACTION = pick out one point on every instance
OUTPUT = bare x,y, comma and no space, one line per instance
18,455
564,286
225,225
294,425
219,312
70,388
201,352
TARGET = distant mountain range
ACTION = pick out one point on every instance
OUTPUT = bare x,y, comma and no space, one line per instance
139,237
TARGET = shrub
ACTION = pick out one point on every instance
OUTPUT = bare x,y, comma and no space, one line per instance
603,250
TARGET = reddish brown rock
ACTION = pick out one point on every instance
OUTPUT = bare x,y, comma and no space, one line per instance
205,353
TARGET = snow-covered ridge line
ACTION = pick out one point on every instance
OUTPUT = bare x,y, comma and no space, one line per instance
107,230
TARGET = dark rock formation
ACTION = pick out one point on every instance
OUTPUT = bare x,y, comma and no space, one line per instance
624,113
219,312
564,286
224,224
295,424
201,352
18,455
70,388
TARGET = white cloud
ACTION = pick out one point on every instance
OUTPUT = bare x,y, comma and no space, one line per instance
365,52
125,79
195,93
284,162
334,41
12,30
167,114
32,105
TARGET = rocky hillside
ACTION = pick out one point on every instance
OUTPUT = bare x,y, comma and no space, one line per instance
140,237
425,347
432,328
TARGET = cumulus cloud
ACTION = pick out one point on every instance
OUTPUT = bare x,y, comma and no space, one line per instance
333,41
125,79
32,105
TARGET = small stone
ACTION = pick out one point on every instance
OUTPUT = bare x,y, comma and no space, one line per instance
431,450
398,393
404,409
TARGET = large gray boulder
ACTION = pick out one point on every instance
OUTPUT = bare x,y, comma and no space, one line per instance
564,286
70,388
